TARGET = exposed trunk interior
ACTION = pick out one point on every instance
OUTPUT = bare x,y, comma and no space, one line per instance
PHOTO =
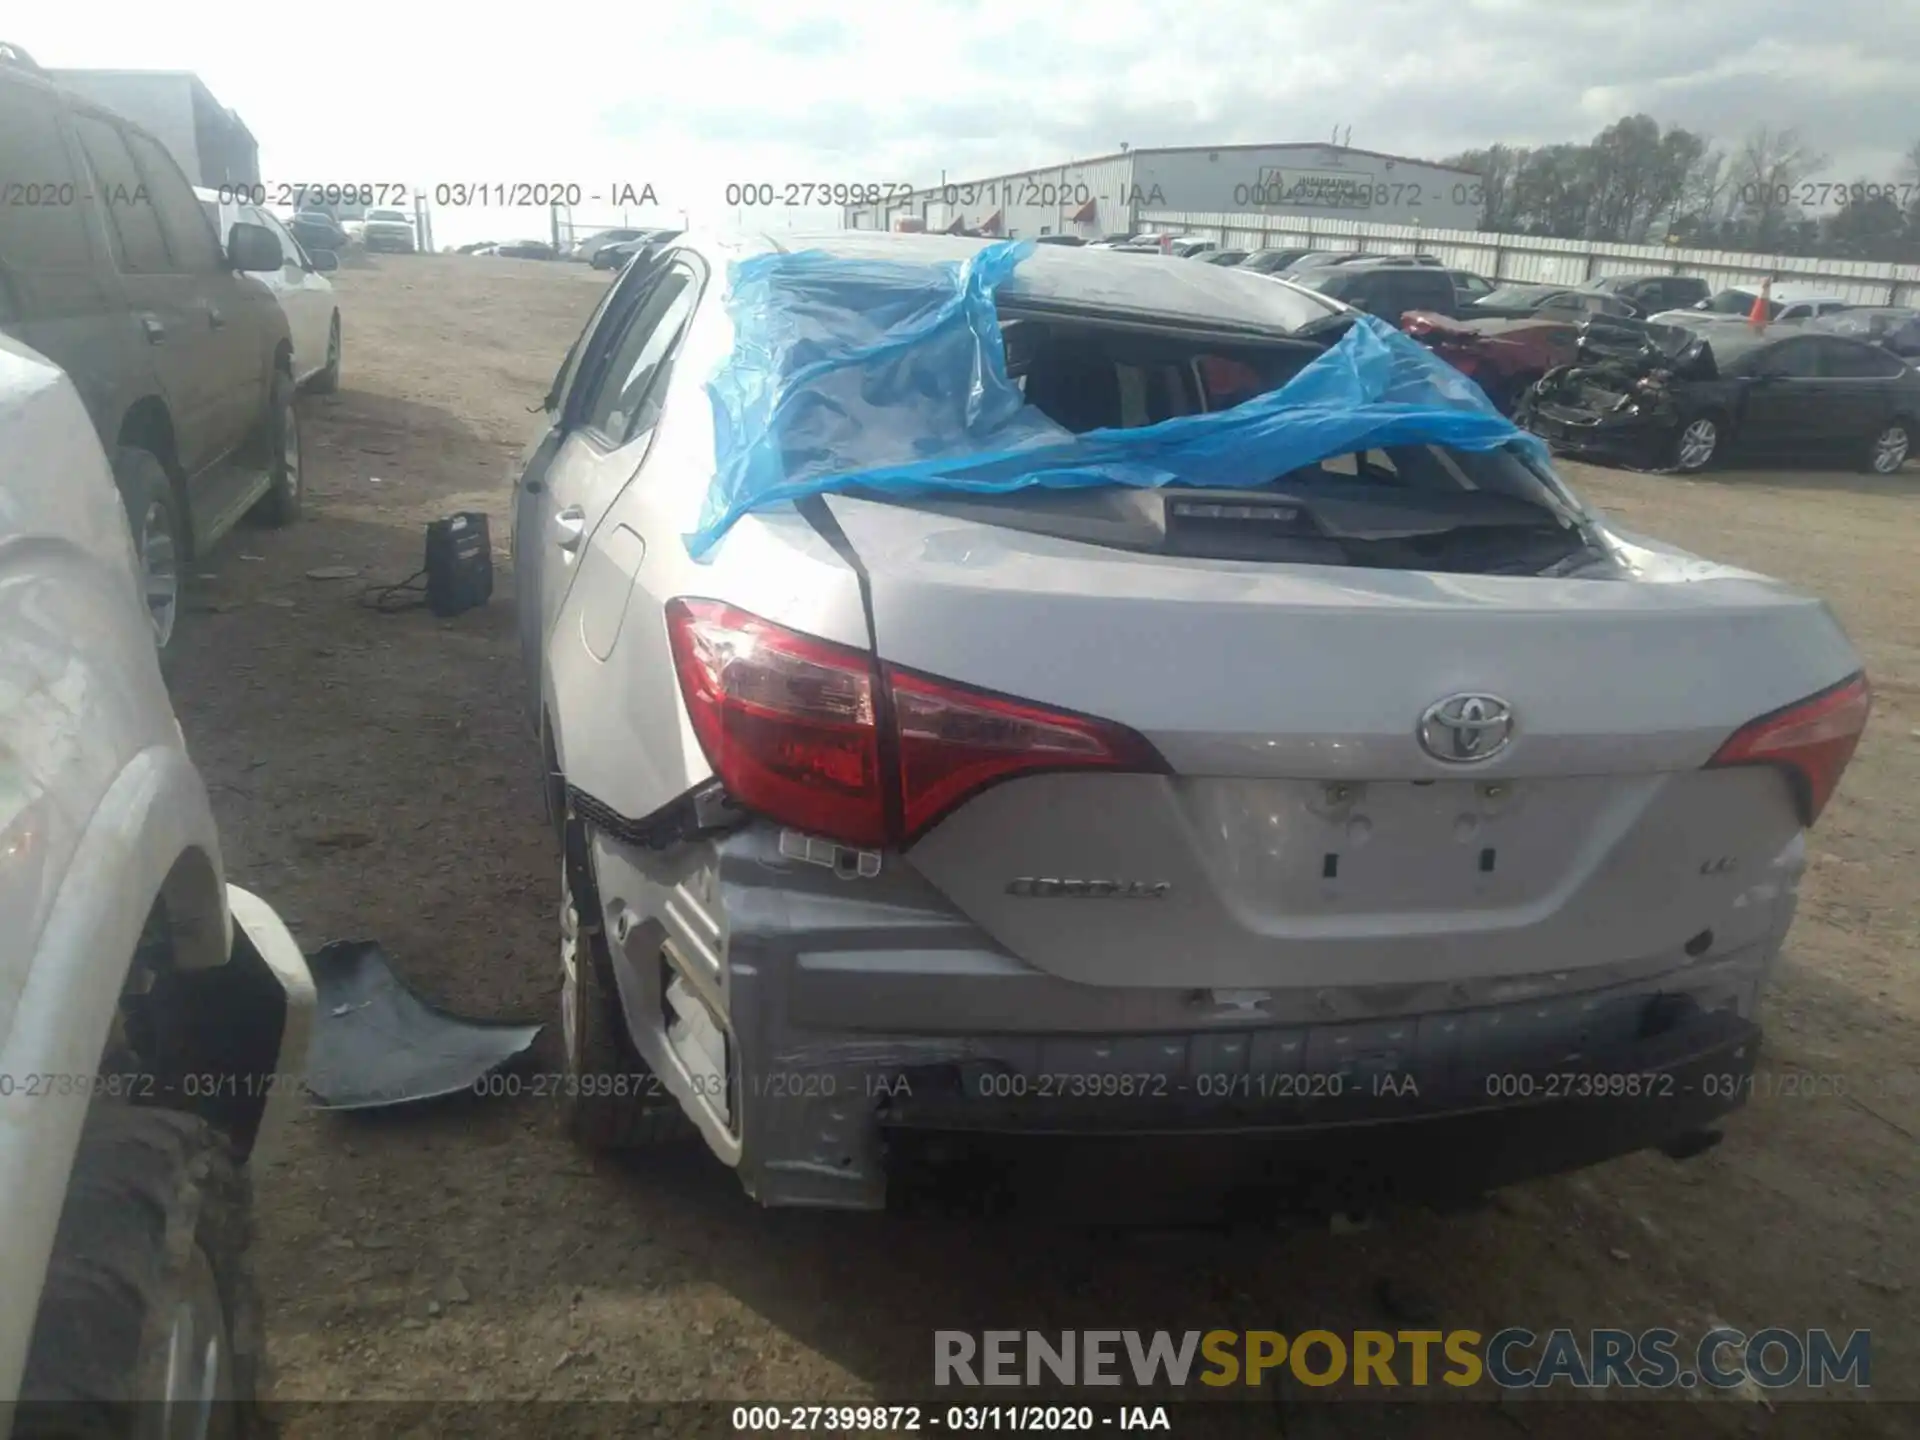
1412,508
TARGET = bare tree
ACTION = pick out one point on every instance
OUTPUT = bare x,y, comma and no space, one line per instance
1766,168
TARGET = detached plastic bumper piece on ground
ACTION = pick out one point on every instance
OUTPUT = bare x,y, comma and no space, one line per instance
376,1043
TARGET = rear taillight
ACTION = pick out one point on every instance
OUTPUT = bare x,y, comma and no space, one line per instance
1811,740
786,721
796,729
954,742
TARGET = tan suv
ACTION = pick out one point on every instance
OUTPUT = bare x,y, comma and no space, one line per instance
110,268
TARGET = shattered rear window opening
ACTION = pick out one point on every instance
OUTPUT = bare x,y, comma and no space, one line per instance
893,377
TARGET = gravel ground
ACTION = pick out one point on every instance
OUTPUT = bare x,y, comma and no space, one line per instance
373,778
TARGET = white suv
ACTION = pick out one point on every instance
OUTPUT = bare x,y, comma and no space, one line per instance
150,1014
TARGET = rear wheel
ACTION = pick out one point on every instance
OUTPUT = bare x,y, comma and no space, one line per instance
1891,448
609,1100
286,488
159,542
1699,443
148,1296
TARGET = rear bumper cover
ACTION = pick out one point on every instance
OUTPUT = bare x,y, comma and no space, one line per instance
1380,1142
859,1035
1635,438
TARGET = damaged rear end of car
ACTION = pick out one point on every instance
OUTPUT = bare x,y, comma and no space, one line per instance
1209,744
1622,396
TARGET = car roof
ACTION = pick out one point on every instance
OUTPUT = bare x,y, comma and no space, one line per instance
1067,277
1633,278
1787,294
1391,262
1796,294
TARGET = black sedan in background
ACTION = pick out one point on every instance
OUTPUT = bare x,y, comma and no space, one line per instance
1686,400
1650,294
317,230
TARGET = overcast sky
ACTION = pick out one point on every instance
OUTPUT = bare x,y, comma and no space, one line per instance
690,97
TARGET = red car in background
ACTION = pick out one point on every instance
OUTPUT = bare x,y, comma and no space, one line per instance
1503,356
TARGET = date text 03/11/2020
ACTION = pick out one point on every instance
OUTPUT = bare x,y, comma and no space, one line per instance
129,1085
957,1419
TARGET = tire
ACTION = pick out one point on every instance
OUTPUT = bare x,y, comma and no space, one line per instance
1698,443
286,488
151,1249
599,1057
1890,449
328,380
160,543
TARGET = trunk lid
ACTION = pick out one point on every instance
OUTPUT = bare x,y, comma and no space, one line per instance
1305,836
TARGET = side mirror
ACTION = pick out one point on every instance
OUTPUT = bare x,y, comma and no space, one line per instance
254,248
324,260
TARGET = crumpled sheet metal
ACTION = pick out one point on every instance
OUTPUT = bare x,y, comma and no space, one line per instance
375,1043
891,375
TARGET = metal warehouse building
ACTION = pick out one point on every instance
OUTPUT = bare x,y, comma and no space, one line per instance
210,142
1107,194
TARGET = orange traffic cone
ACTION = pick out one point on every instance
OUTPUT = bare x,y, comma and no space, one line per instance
1757,316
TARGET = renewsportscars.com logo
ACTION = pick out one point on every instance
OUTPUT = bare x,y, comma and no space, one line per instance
1513,1358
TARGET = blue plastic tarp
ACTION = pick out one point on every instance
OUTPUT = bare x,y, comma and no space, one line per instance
891,375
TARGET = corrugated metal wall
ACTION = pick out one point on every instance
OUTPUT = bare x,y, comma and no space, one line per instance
1561,262
1307,181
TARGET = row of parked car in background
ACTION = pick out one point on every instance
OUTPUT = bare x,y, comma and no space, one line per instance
1649,369
603,250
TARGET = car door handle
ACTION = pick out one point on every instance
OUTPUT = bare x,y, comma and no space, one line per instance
156,332
570,528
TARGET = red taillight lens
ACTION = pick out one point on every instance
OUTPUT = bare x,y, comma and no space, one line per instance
955,741
790,725
1812,741
786,720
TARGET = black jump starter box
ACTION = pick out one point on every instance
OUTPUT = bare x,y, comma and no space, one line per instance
459,563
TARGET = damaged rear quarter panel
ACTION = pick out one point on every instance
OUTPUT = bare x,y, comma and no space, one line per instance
610,713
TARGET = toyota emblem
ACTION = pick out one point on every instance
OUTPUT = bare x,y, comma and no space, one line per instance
1466,729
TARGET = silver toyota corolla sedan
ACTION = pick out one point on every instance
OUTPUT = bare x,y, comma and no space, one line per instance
1378,824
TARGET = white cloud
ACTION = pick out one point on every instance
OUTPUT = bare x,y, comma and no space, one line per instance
698,96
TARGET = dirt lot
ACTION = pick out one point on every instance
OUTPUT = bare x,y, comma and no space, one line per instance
373,778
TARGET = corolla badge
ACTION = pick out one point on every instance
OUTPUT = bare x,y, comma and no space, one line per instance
1034,887
1466,729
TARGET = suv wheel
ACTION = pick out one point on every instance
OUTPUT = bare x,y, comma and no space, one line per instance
148,1296
159,541
328,380
1890,449
609,1099
285,490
